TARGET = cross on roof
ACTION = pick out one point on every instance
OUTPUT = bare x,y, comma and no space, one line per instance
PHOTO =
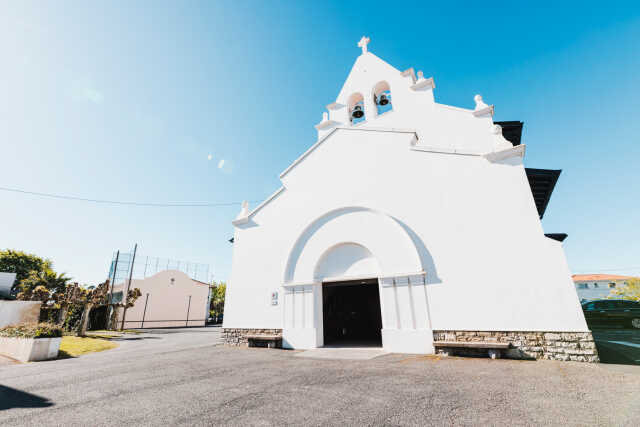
364,41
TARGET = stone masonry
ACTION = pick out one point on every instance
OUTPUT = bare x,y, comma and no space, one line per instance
575,346
238,336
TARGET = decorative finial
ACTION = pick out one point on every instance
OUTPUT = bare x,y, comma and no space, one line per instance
364,41
482,109
479,102
243,216
420,76
325,124
244,211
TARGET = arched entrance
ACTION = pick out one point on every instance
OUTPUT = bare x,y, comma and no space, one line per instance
341,248
351,312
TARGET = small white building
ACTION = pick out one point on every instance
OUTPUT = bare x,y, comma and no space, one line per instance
597,286
169,299
406,221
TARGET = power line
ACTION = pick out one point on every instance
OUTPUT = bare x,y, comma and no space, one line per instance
119,202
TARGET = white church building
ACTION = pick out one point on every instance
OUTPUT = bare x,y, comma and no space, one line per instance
406,223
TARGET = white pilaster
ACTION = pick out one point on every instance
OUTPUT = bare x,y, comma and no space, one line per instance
406,325
302,323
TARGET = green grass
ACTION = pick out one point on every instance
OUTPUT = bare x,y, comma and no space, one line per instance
77,346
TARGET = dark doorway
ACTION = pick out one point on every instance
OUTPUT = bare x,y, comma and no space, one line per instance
351,313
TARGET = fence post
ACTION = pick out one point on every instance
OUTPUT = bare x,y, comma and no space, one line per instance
113,282
126,294
188,308
144,313
146,262
208,310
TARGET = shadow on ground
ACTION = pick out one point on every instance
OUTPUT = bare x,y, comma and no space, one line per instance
64,355
13,398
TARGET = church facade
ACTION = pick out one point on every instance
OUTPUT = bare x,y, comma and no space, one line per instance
407,221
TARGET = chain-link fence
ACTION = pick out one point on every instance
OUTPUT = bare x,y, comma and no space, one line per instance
146,266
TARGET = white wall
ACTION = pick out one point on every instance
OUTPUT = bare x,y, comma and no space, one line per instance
14,312
168,301
435,204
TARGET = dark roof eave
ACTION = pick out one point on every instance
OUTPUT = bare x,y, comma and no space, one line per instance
557,236
542,183
512,131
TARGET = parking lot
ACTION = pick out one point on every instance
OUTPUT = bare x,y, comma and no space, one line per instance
618,345
183,377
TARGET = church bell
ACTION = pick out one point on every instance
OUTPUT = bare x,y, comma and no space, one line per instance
357,112
383,100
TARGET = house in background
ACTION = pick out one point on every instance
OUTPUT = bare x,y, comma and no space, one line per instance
597,286
169,299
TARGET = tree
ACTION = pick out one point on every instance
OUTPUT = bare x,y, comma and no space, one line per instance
92,297
48,279
73,294
218,291
630,290
40,293
22,264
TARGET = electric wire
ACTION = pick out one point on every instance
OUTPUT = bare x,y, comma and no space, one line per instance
183,204
123,203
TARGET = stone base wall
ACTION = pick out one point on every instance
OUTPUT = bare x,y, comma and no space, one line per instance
576,346
238,336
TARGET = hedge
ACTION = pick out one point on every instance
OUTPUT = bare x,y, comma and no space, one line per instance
31,330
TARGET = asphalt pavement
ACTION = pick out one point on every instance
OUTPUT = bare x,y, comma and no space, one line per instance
184,377
619,345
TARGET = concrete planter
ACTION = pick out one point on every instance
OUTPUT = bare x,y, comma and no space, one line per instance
30,349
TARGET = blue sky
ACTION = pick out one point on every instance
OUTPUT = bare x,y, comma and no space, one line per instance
126,100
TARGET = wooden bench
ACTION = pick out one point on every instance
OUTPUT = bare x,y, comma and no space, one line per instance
271,341
494,349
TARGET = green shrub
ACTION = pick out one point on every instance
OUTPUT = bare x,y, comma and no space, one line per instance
49,314
31,330
73,317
